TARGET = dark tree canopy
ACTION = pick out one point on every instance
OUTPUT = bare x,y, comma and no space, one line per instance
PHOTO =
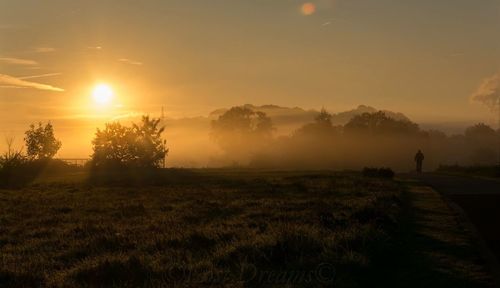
321,127
482,141
41,144
479,130
241,126
324,118
138,146
379,124
150,148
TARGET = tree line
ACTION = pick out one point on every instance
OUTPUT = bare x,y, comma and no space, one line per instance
369,139
115,147
248,137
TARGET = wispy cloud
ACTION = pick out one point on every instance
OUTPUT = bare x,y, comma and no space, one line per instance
40,76
18,61
129,61
488,93
7,81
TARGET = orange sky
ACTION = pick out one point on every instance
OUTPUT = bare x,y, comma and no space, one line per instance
423,58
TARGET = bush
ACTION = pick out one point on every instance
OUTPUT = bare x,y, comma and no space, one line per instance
378,172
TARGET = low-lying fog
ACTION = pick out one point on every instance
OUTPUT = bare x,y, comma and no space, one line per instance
292,138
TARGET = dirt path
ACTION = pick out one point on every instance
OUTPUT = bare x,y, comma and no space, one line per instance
441,238
479,199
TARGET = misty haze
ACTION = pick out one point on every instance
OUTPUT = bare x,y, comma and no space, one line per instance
227,143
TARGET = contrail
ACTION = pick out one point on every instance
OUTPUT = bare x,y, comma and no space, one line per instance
18,61
6,80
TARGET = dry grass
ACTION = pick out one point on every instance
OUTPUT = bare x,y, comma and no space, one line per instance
205,228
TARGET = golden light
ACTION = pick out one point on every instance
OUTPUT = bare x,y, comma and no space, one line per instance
308,8
102,94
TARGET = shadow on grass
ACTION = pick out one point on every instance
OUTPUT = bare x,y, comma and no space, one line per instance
24,173
416,257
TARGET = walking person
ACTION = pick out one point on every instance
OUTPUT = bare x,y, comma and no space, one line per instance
419,159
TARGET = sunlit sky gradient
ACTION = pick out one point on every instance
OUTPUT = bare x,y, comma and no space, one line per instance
423,58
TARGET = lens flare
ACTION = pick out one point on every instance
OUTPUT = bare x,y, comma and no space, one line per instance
308,9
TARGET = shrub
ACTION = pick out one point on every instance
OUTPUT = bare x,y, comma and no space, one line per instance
378,172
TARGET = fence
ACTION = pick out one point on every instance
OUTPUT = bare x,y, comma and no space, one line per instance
75,161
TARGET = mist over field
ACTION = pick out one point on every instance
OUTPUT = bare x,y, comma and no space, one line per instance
297,141
249,144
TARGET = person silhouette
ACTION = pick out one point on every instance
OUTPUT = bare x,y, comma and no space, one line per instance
419,158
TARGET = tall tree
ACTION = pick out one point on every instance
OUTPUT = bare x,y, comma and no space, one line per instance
379,124
41,142
241,128
150,148
139,146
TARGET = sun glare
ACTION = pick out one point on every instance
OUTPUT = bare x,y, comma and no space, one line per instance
102,94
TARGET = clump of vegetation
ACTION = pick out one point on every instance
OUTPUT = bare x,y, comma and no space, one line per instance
378,172
18,169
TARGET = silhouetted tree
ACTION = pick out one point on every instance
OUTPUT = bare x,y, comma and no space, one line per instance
150,148
264,125
321,127
113,145
41,144
379,124
139,146
481,141
479,133
324,118
241,127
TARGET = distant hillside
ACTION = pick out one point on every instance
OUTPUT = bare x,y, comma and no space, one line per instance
342,118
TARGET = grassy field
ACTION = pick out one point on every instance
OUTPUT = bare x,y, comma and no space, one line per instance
232,228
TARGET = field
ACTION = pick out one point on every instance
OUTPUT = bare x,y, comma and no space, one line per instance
233,228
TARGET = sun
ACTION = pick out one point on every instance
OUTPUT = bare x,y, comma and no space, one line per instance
102,94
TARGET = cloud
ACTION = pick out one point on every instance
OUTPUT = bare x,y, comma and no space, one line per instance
488,93
39,76
7,81
18,61
131,62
